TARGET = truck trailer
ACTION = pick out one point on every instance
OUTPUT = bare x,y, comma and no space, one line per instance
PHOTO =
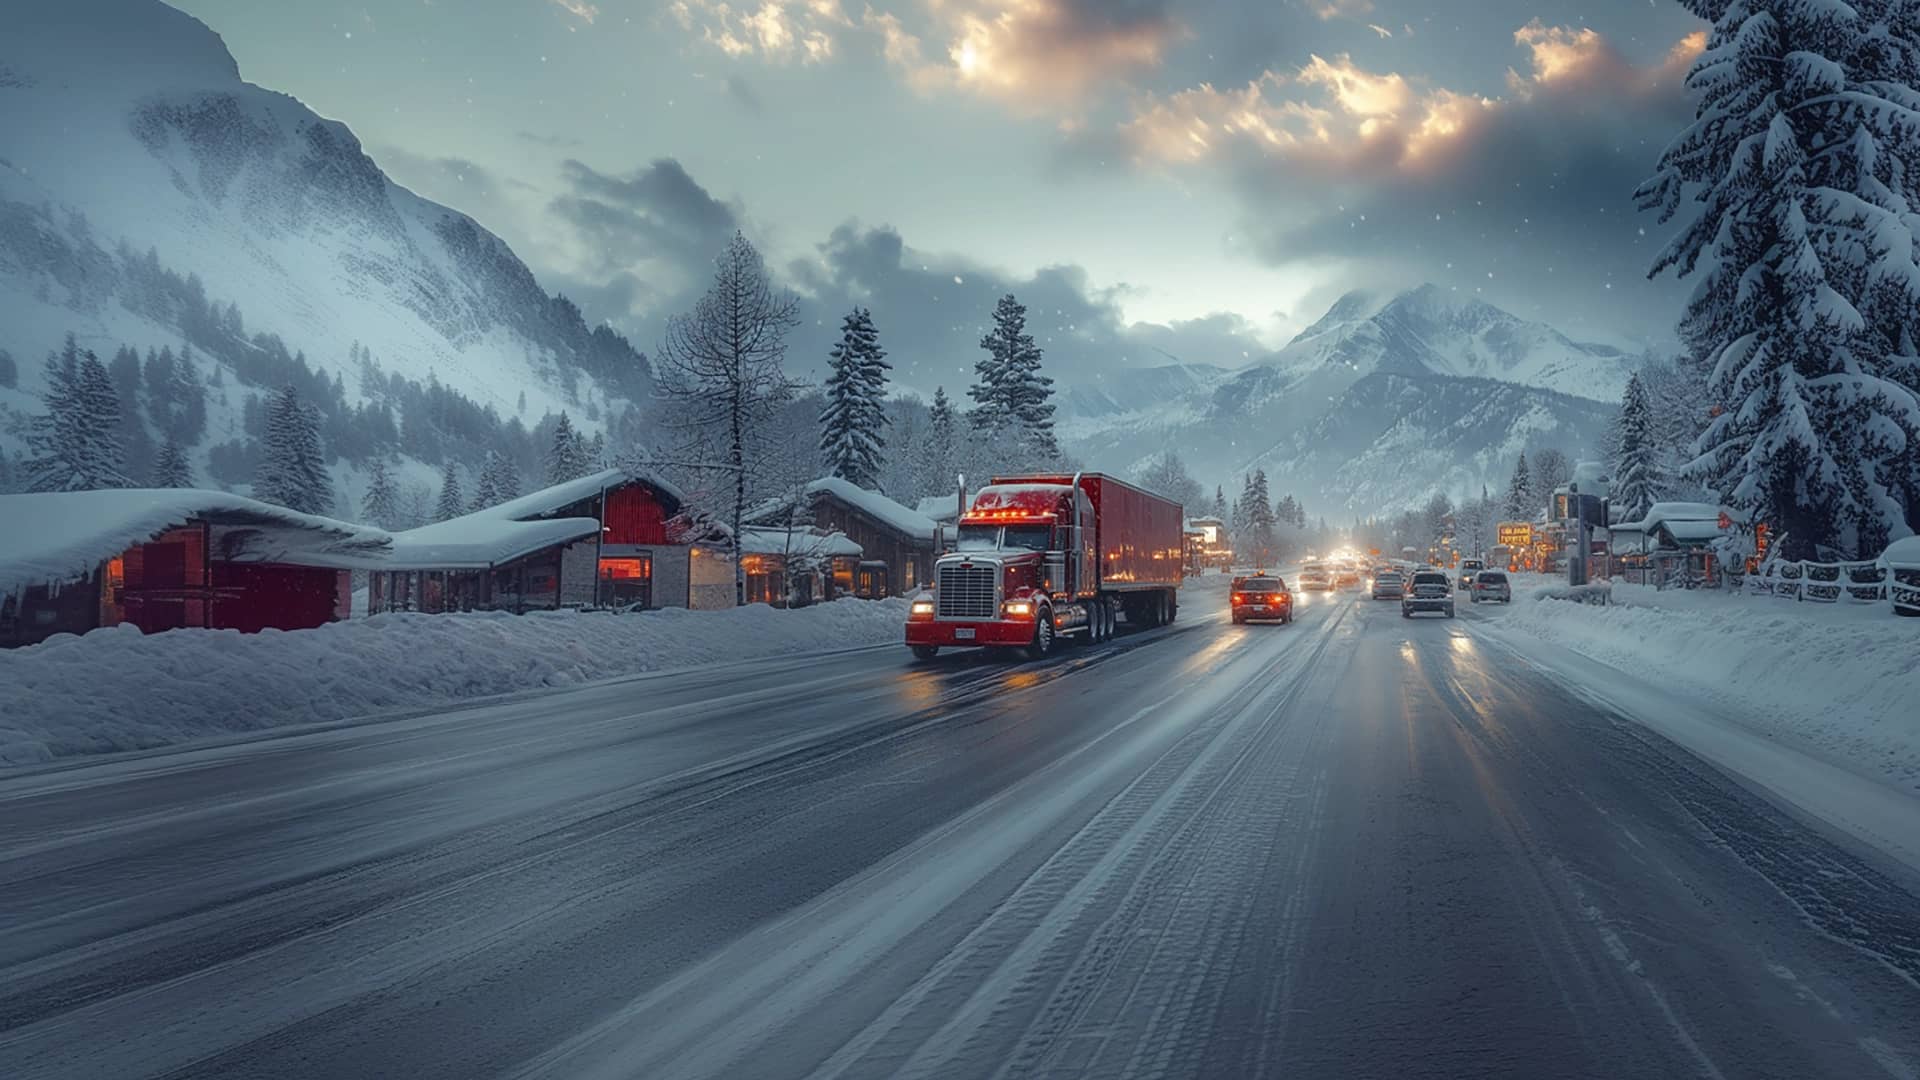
1041,559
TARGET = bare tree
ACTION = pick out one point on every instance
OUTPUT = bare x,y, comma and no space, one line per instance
720,374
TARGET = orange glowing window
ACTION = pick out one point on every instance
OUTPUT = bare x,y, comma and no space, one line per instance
626,569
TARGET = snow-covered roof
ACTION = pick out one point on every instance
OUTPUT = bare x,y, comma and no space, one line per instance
549,500
771,540
476,541
514,528
940,507
1669,512
901,519
62,536
1692,531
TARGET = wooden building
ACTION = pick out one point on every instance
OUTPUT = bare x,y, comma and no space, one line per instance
898,543
169,559
618,538
794,567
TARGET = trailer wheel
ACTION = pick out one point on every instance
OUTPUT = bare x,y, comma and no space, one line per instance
1042,645
925,652
1173,605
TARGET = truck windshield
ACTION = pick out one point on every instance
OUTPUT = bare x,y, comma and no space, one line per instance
978,538
989,537
1027,537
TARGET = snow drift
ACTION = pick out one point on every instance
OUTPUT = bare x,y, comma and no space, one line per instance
116,689
1842,682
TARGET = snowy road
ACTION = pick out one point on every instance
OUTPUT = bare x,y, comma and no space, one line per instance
1353,846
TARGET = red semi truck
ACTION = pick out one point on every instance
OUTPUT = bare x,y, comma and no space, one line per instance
1042,558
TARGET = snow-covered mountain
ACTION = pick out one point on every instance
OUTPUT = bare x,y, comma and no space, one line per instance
130,149
1374,407
1430,330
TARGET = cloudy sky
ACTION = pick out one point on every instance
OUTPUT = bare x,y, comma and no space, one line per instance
1186,178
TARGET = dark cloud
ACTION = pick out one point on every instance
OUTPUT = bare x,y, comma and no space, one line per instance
641,240
933,309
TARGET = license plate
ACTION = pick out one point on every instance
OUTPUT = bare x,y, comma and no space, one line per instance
963,633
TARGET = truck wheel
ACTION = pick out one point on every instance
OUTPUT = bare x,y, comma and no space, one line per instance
1042,645
1173,606
925,652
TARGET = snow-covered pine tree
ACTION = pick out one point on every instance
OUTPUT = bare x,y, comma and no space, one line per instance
595,458
7,481
485,494
567,457
1220,502
940,449
381,505
1519,505
451,504
76,444
1260,524
1636,465
170,467
506,479
851,424
1804,158
293,472
1010,392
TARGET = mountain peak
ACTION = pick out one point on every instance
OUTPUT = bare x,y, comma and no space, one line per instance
78,44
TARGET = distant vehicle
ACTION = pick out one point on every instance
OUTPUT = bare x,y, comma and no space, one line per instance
1389,585
1043,558
1491,585
1261,596
1429,591
1468,568
1347,574
1315,577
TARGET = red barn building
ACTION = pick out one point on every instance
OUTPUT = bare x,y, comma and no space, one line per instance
166,559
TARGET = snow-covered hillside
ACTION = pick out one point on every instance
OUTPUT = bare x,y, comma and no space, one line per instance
1373,408
1431,330
125,130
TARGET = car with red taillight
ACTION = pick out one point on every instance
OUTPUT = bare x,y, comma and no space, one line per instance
1261,596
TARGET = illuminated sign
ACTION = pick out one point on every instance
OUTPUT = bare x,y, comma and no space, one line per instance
1516,534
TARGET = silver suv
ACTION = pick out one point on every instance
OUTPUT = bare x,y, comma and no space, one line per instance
1428,591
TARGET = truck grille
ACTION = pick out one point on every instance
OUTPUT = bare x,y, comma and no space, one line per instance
966,592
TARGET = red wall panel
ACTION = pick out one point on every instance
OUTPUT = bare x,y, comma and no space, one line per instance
277,597
634,516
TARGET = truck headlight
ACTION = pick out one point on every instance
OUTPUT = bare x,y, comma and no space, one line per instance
1019,607
921,607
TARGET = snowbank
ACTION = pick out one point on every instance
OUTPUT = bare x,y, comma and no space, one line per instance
116,689
1841,681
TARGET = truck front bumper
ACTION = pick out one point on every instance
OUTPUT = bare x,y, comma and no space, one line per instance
955,633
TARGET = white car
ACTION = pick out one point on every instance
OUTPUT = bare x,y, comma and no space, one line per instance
1491,585
1430,591
1389,585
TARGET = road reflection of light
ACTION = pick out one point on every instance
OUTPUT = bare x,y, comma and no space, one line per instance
1408,654
1211,652
1462,643
1021,680
920,688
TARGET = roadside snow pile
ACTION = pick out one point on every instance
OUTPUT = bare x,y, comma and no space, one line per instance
1600,593
1843,681
116,689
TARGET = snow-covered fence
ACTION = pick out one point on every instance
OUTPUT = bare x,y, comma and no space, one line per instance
1823,583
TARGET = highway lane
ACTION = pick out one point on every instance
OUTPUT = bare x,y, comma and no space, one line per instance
1357,845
